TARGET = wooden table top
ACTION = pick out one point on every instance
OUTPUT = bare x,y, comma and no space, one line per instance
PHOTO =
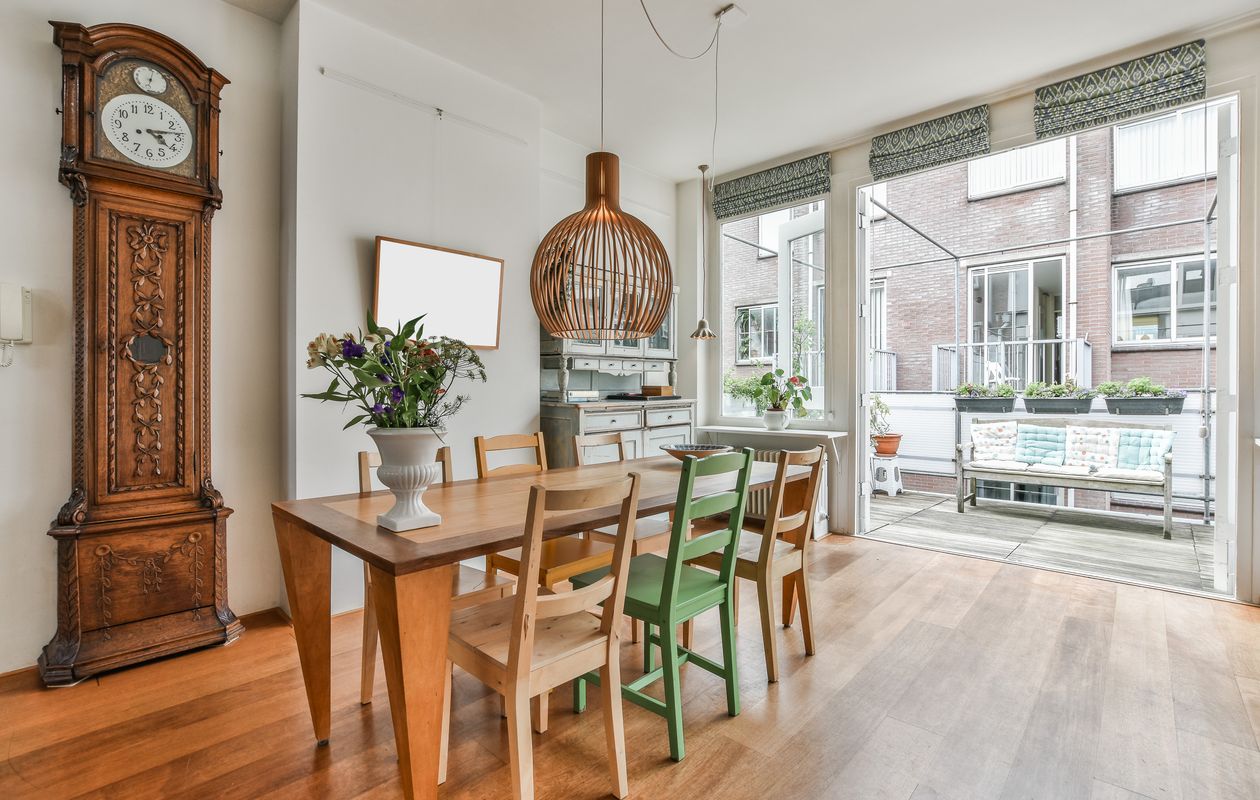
486,516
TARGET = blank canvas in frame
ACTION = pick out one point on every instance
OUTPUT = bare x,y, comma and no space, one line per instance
458,293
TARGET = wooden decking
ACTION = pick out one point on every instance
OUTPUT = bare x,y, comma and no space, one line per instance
1092,543
937,676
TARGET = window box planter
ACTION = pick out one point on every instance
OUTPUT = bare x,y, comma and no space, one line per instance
1152,406
984,405
1058,405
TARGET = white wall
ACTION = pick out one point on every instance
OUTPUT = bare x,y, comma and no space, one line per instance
35,224
368,165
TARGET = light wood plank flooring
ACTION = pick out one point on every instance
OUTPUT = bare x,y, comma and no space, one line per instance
937,676
1121,547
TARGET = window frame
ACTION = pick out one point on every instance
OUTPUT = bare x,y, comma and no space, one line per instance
1174,264
765,359
1179,113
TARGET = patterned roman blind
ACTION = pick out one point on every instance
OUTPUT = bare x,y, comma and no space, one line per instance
786,183
955,137
1168,78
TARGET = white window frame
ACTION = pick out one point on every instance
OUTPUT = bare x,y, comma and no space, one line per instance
1010,266
1174,266
763,360
1184,176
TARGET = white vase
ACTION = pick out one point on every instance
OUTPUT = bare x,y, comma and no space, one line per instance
775,420
408,467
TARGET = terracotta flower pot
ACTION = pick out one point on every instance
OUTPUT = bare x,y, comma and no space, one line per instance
886,444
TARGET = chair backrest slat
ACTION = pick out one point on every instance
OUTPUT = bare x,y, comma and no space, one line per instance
792,505
529,607
582,443
369,461
484,445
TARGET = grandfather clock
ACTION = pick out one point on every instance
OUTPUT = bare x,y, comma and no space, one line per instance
141,543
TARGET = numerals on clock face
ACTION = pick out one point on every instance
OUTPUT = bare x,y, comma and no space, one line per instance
146,130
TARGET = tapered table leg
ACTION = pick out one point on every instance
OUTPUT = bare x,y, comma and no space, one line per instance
307,563
413,613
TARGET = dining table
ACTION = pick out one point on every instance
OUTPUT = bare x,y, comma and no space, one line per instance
412,577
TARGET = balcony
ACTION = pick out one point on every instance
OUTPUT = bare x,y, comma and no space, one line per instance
1017,363
881,372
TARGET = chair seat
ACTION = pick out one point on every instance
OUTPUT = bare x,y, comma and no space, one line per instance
486,629
647,578
561,559
651,535
471,585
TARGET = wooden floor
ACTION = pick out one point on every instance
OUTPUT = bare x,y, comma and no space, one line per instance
937,676
1126,547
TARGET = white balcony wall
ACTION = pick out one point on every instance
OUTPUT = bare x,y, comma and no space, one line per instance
1015,170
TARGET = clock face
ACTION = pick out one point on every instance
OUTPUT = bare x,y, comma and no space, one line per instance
149,79
147,130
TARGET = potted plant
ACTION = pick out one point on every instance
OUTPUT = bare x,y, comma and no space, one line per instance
974,398
1058,398
782,393
1141,396
401,382
886,444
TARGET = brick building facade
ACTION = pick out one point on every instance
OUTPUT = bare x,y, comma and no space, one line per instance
919,301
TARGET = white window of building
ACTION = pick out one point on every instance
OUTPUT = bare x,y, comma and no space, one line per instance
757,334
1170,148
1162,301
1017,170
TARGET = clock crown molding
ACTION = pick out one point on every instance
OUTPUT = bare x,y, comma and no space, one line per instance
87,52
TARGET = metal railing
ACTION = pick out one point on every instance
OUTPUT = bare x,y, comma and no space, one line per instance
1017,363
881,373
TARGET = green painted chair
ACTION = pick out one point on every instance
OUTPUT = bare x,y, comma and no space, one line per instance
664,592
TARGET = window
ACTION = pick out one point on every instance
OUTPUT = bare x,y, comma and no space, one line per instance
757,329
1162,301
1169,148
1017,170
773,307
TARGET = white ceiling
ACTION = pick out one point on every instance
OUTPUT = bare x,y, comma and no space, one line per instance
796,74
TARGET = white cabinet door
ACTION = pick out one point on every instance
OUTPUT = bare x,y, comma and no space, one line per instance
655,437
625,347
664,343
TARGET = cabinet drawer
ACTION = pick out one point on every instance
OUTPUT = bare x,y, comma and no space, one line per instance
655,438
657,417
612,420
656,366
585,363
619,366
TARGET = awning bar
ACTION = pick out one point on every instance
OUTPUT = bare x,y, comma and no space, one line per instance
899,218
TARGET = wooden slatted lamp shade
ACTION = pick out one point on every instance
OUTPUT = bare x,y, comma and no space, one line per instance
601,273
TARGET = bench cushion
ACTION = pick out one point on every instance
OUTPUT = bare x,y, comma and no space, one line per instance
1143,449
993,441
1040,444
1092,447
1134,475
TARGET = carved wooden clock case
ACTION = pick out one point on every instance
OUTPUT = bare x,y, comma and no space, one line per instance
141,543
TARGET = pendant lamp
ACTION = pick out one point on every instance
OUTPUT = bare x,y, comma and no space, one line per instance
601,273
702,331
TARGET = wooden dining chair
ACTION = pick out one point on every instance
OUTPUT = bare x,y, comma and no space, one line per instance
651,535
471,586
666,592
524,646
559,559
777,550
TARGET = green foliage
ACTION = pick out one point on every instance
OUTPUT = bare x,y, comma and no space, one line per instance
747,389
1069,388
781,391
880,413
1003,390
980,390
1111,389
398,380
1138,387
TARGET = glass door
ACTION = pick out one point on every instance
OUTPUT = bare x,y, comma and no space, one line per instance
1232,505
802,289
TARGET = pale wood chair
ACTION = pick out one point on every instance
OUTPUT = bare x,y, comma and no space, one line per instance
778,549
651,535
471,586
559,559
524,646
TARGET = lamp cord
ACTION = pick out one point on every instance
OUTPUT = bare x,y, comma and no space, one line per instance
701,54
602,33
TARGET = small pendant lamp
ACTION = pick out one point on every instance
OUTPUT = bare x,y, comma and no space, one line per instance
601,273
702,331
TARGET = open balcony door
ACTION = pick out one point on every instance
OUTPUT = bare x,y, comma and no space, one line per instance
1232,459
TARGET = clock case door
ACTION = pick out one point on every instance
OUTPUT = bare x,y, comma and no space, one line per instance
141,542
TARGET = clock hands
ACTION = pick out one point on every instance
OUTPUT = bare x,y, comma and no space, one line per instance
159,135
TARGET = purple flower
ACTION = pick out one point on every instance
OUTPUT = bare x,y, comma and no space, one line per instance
395,395
381,376
385,359
352,349
380,409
